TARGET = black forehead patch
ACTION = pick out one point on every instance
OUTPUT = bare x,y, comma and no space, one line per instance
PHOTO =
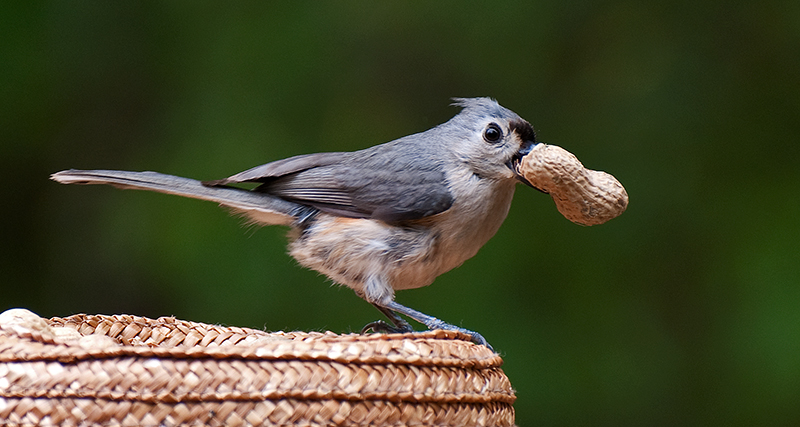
523,129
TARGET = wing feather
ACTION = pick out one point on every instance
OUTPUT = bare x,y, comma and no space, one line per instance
381,182
280,168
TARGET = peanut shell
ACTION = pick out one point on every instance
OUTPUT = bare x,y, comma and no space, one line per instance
583,196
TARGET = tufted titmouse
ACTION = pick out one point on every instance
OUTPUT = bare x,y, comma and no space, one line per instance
389,217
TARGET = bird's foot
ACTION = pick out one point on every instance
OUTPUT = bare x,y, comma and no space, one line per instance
391,310
379,326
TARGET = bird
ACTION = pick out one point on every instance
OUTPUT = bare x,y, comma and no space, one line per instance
390,217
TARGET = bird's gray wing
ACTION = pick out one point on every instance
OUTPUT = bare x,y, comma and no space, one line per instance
374,183
361,191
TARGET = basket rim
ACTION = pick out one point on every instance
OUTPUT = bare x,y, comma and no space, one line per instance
427,348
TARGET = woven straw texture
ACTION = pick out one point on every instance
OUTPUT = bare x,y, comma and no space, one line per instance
89,370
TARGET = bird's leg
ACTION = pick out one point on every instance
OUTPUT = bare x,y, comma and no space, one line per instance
392,308
399,325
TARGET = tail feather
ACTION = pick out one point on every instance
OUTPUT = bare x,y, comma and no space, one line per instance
260,207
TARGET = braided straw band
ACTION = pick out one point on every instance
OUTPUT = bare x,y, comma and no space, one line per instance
127,370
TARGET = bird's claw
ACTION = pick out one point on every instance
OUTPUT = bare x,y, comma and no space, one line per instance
476,337
382,327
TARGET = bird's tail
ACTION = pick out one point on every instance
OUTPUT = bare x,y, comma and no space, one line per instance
261,208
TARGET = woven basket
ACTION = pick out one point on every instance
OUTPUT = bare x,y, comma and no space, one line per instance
126,370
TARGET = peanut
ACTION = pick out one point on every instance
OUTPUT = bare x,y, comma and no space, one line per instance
583,196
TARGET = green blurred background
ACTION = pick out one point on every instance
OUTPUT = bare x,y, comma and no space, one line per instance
683,311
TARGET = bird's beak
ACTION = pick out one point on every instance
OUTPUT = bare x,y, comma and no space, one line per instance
513,164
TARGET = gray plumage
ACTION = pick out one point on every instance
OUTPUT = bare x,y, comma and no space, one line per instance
392,216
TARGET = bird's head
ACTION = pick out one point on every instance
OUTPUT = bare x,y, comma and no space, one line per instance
490,139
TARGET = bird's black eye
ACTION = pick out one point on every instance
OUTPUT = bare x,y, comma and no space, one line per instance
492,133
